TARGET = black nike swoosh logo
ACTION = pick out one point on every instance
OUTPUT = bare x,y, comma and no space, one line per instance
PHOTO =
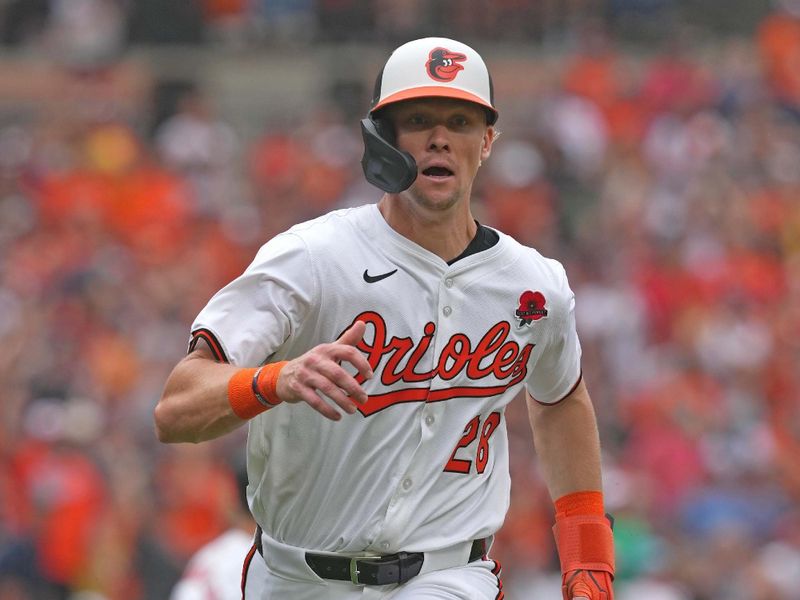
373,278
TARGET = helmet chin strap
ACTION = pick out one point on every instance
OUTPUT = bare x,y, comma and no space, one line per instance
385,166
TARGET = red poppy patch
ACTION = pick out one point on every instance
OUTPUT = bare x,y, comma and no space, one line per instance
531,307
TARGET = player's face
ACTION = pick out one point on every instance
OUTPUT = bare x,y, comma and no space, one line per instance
448,139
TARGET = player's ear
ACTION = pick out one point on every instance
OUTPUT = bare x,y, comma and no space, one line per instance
489,137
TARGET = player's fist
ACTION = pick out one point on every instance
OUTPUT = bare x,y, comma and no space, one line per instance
587,585
319,371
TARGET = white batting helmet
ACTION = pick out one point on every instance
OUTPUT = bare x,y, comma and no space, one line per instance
435,67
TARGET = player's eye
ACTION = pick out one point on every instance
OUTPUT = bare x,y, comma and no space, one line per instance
459,121
417,120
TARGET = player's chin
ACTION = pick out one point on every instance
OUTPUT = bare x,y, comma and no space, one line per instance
438,194
437,202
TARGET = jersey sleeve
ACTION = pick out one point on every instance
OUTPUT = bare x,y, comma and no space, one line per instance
250,318
556,369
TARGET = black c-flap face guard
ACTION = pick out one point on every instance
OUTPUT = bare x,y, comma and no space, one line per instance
385,166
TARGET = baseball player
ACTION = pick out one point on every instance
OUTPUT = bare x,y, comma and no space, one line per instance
214,571
372,352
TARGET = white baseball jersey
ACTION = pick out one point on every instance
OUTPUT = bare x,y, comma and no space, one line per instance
424,463
215,571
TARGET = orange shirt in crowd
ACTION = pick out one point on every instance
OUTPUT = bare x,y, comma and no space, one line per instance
147,208
194,493
62,491
779,44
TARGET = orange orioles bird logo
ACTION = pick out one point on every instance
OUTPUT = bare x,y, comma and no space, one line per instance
443,65
531,307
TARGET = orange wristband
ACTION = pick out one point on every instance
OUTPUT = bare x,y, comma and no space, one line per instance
252,391
580,503
583,533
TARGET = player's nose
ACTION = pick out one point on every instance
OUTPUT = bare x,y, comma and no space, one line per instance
439,139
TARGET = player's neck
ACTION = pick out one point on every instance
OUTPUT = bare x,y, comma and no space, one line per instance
445,233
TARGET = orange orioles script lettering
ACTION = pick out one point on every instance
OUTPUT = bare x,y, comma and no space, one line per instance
494,355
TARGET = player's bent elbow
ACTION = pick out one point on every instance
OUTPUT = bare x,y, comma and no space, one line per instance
167,431
170,414
163,432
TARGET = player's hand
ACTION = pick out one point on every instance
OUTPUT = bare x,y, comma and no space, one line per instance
319,370
587,585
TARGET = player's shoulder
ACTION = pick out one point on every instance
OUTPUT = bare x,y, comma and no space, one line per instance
321,233
534,262
335,223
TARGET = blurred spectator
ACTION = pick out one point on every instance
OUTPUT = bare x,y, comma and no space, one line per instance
194,496
213,573
522,199
593,69
119,189
779,43
85,34
579,130
56,493
202,148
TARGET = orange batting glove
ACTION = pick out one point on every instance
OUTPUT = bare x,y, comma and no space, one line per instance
585,546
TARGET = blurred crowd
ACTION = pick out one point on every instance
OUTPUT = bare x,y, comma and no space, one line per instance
666,181
105,26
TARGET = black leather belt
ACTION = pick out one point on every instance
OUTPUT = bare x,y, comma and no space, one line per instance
373,570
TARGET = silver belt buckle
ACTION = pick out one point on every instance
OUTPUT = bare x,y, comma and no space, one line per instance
354,568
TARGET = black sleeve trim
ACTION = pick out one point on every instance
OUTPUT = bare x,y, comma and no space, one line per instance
210,339
565,396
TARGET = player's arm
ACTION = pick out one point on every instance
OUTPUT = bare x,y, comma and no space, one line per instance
204,399
567,442
194,405
568,449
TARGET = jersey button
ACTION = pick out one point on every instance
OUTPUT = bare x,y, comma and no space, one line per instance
385,545
407,483
429,420
447,311
448,282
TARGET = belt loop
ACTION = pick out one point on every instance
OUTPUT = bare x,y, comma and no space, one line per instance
402,565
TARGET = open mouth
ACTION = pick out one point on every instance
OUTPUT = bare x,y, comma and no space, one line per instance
437,172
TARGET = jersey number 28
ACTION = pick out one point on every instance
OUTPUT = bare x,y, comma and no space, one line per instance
461,465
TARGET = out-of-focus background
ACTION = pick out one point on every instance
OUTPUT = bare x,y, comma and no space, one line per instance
148,147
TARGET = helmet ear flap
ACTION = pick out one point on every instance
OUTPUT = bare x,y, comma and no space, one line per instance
384,128
385,166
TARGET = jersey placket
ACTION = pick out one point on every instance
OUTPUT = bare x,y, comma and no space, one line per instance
404,503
